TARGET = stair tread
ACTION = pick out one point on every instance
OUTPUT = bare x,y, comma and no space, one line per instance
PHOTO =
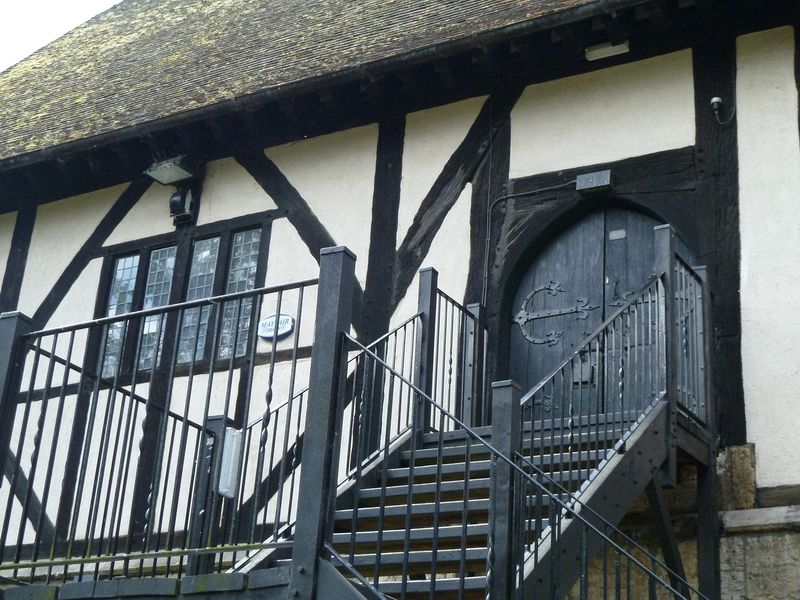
416,533
420,556
441,585
425,488
419,508
476,449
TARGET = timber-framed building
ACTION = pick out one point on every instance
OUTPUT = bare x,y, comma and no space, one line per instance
444,299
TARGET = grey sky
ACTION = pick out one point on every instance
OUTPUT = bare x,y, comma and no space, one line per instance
27,25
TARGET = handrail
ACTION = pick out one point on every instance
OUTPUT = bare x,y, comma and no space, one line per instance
616,530
359,577
591,337
497,455
173,307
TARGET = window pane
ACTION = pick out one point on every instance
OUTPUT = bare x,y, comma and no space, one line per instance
120,301
156,293
241,277
201,285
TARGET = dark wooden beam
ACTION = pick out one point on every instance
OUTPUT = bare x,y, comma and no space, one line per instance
457,172
17,258
379,286
308,226
717,202
489,183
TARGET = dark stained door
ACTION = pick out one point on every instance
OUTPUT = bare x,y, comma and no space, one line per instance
584,275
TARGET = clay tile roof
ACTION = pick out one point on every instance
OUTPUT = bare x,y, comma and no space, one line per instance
144,60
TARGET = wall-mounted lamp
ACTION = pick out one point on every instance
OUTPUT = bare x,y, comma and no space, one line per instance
607,50
172,170
178,171
181,206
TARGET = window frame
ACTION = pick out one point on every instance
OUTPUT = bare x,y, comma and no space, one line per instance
183,239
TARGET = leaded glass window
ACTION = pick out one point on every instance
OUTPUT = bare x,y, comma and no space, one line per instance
156,293
241,277
120,301
201,285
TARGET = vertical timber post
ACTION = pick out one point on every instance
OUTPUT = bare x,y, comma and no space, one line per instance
13,325
317,490
473,365
426,342
665,264
507,438
707,515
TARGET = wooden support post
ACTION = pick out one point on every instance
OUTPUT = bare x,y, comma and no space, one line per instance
13,325
708,530
425,351
473,365
666,534
324,416
507,438
665,265
707,515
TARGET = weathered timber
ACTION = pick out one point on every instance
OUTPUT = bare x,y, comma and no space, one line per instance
444,192
17,257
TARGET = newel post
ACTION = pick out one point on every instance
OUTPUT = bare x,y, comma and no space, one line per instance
507,439
13,325
323,418
425,350
665,264
473,411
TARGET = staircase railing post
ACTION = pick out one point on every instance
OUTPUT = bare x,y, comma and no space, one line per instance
707,514
665,264
318,475
425,350
13,325
472,366
507,438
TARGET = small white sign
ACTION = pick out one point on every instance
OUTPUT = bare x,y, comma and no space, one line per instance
275,327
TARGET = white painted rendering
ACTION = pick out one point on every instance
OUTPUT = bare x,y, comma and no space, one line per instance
449,255
7,222
229,191
335,174
78,304
60,230
289,258
627,110
769,205
432,136
148,217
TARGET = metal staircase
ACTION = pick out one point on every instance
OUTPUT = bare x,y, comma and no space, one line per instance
382,478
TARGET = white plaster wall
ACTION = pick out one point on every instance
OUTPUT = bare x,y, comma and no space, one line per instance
769,204
335,174
7,222
449,255
78,303
229,191
606,115
61,228
149,216
432,136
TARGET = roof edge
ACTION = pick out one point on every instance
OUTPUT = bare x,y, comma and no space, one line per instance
378,67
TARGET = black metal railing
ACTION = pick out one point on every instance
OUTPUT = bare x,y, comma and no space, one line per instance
578,415
689,292
118,429
459,358
432,524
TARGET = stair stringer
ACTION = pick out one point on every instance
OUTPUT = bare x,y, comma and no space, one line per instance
611,491
345,498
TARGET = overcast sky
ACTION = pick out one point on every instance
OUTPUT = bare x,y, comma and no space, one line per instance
27,25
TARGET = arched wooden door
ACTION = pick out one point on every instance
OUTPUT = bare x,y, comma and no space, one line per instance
585,274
